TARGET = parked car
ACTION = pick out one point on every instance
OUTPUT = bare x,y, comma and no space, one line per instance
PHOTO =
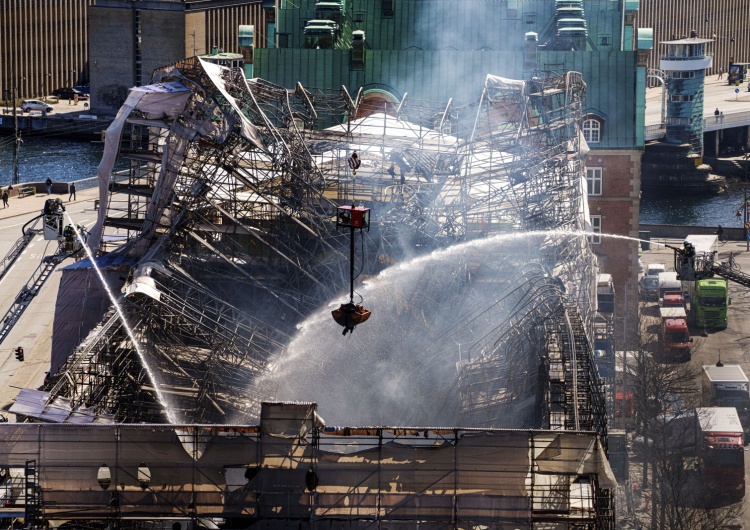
34,104
70,93
86,89
649,287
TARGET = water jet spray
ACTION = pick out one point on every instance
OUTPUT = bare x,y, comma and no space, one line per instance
128,329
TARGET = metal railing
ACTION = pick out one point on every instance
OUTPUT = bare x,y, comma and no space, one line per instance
654,132
724,121
731,117
87,183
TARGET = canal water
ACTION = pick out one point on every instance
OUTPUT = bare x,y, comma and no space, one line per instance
69,160
696,210
39,158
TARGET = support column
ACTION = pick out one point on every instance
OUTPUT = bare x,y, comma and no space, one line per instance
716,142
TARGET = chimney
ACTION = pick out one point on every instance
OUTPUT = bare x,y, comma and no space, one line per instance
531,40
358,49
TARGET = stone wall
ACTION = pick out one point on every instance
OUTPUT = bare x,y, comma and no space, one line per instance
681,231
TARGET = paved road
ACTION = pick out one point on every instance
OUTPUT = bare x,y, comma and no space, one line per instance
34,330
60,107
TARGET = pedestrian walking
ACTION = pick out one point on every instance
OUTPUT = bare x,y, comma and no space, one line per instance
4,197
721,73
716,114
48,182
72,189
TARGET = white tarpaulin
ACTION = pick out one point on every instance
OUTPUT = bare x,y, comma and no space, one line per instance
160,101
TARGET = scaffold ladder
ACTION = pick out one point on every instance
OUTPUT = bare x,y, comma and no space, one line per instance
31,494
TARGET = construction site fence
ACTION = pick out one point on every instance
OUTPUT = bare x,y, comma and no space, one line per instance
281,472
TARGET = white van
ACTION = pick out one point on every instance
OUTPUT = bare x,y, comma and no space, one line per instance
653,269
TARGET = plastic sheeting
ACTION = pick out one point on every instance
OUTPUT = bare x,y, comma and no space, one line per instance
483,476
81,303
164,100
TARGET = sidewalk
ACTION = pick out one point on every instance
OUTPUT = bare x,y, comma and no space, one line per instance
30,204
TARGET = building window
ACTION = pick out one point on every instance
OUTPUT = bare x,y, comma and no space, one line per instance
681,75
605,40
594,180
679,121
681,98
596,228
592,131
388,8
359,17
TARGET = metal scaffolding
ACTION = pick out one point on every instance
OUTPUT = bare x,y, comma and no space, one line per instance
229,205
292,470
224,193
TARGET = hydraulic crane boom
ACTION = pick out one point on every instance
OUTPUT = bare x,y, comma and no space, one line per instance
19,246
693,266
732,275
67,246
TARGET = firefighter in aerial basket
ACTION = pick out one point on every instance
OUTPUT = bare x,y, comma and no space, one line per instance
350,315
53,206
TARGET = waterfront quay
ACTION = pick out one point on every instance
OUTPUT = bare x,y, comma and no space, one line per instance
68,120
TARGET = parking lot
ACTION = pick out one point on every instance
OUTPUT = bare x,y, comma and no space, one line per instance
732,344
59,106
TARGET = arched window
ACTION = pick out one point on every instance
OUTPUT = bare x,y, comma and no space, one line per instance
592,130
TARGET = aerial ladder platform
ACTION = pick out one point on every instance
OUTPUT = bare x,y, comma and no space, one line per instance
28,233
693,266
68,245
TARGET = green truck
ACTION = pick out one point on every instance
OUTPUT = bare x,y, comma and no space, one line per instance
708,303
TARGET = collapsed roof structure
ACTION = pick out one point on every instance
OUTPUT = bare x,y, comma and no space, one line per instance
221,234
228,210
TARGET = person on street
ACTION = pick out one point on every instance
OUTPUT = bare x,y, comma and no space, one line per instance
716,113
720,233
48,182
721,73
72,189
4,196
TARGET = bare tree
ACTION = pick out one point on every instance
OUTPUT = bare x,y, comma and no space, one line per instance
665,396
